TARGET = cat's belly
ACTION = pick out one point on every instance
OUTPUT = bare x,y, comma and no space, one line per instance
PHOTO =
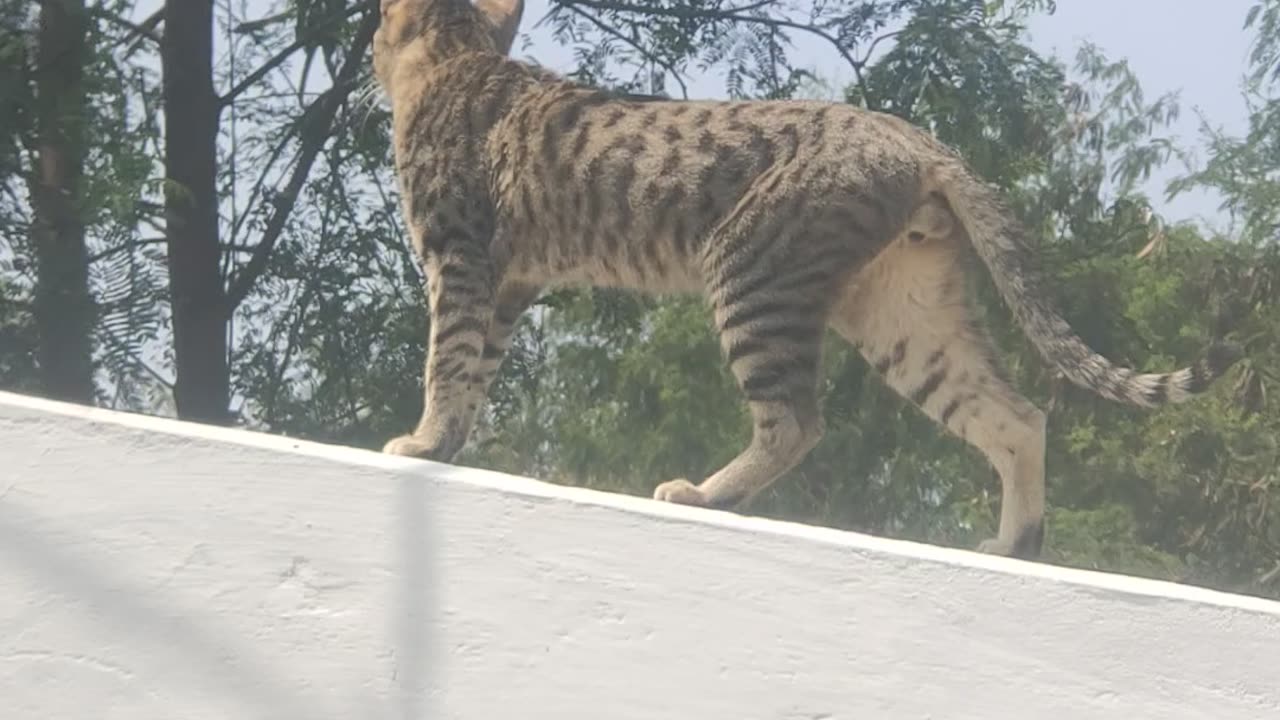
653,268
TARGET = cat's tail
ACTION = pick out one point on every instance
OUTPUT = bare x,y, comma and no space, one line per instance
999,240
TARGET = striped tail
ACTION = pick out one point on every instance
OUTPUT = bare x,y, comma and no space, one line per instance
998,239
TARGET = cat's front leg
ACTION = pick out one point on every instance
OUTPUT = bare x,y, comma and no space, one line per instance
463,303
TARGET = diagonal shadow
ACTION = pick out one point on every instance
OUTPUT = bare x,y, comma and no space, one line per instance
173,635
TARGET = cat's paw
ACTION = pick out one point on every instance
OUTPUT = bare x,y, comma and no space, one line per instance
996,546
1026,545
407,446
681,492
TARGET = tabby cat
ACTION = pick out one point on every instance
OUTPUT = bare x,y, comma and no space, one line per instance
788,216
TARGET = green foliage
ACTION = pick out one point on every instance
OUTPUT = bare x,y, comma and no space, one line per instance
17,339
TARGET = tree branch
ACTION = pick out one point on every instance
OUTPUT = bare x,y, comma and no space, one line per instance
145,29
278,59
267,166
734,14
316,123
251,26
614,32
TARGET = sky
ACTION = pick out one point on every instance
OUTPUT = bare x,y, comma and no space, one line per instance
1197,47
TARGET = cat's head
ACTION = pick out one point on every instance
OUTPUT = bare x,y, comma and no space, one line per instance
426,32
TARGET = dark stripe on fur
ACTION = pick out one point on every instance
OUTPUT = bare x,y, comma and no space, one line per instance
1029,543
921,395
459,326
745,314
950,409
764,342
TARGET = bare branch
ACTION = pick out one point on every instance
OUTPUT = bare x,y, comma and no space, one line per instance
609,29
267,166
249,26
279,58
316,123
145,29
737,14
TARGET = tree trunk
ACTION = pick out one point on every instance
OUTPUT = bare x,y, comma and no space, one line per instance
64,309
191,108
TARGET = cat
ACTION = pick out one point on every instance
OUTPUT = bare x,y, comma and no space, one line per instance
788,216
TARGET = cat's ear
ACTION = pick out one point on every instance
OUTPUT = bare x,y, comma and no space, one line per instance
504,16
391,12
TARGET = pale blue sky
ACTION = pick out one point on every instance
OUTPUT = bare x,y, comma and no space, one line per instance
1197,47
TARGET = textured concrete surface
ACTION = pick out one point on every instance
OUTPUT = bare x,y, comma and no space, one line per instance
154,569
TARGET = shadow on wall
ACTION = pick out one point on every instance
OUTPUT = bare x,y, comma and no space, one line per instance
180,636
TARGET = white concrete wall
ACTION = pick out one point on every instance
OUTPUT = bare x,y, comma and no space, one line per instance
154,569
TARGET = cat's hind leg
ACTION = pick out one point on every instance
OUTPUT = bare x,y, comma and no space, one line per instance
907,313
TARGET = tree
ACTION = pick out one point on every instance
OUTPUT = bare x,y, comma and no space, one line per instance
203,298
63,309
17,340
202,389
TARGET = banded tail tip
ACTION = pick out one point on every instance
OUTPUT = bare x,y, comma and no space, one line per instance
1218,358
